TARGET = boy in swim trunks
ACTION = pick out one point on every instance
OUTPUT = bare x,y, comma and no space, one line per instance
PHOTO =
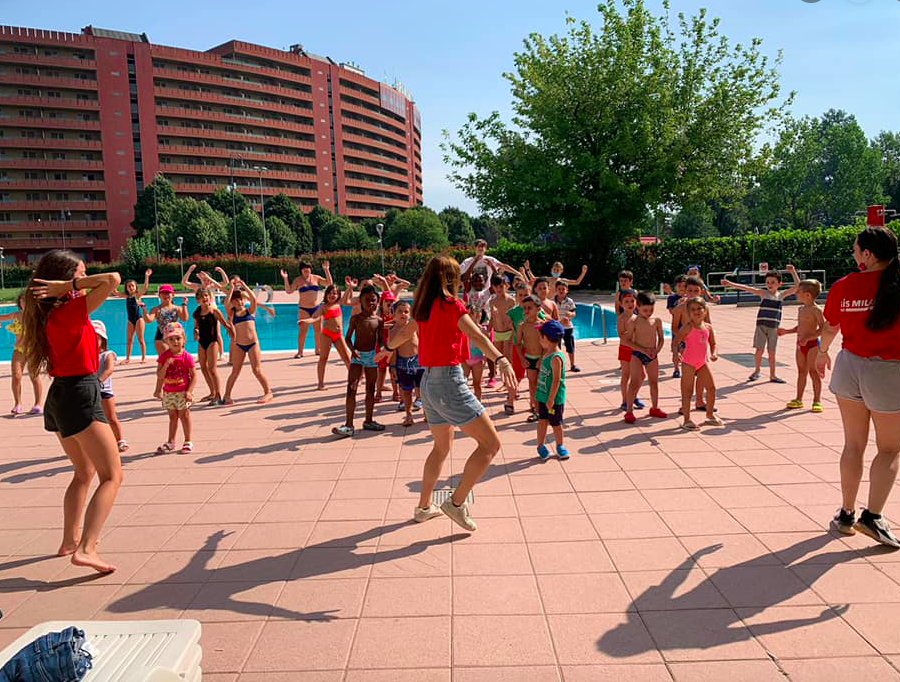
364,334
810,323
528,346
645,334
672,302
409,374
627,303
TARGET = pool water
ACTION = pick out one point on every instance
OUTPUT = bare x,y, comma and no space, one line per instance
275,332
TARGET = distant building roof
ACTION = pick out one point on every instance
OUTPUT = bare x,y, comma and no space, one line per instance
117,35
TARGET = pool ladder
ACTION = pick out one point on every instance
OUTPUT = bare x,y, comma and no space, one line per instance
594,308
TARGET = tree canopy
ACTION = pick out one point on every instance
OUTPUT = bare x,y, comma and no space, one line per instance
416,228
606,124
458,226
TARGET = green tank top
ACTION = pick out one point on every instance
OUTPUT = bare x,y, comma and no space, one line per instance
545,380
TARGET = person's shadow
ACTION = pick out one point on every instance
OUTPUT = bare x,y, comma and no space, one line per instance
629,638
160,596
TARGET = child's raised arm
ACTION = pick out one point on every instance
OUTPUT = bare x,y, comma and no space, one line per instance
756,291
185,281
224,321
574,282
146,285
796,286
182,311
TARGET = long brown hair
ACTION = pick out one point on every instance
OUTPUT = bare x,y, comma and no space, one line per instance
883,245
439,281
58,264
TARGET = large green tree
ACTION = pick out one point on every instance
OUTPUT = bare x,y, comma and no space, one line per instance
352,238
328,231
318,216
819,173
458,225
641,113
418,227
282,240
887,146
281,206
203,230
148,212
221,201
249,231
489,229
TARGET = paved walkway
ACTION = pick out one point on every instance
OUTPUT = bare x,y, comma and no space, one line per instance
653,554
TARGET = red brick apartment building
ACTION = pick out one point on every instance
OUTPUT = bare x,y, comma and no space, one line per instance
87,119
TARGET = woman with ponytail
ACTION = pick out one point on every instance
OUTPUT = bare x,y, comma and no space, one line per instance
865,307
59,336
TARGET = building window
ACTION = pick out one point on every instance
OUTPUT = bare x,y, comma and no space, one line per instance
32,196
5,217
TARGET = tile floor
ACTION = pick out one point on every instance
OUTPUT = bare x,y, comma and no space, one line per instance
653,554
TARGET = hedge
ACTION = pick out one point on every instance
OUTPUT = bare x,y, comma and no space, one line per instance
651,263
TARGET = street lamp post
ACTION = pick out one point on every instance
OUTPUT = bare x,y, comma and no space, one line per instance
64,215
181,254
262,206
233,188
2,270
379,228
156,218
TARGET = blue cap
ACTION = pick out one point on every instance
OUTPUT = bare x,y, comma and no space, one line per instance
553,330
692,267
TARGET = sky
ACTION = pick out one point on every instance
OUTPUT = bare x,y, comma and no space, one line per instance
450,56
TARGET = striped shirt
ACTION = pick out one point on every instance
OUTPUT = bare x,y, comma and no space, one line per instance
769,314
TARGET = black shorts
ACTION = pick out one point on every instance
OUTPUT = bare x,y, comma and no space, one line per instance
569,339
555,419
409,380
72,404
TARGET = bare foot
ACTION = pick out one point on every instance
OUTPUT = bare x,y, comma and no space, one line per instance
321,387
267,398
126,361
92,561
227,401
298,355
67,548
206,399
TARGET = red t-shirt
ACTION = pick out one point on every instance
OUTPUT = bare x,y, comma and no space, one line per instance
849,303
440,340
178,373
73,343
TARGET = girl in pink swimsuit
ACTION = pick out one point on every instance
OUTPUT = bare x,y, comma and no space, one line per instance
698,339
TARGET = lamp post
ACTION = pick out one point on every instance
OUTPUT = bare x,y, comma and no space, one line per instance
156,218
379,228
2,270
233,188
181,254
262,207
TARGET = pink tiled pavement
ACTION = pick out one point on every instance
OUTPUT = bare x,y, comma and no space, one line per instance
653,554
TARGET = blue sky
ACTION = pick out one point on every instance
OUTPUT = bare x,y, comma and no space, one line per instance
450,56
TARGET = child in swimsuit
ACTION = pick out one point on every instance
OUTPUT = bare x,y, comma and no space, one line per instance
386,366
503,328
18,363
528,346
644,333
409,374
475,362
364,334
307,285
626,305
330,316
165,314
135,316
698,337
810,324
207,319
105,367
246,343
673,300
693,288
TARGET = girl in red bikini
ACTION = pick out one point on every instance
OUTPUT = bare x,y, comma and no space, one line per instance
329,313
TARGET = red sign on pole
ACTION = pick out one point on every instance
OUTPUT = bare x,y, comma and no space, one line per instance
875,216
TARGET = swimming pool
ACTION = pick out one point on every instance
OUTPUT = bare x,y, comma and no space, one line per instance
276,332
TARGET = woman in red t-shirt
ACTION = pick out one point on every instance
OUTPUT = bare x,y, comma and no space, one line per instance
59,336
442,324
865,307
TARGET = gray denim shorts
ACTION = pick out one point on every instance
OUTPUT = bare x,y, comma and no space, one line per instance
446,398
872,381
765,338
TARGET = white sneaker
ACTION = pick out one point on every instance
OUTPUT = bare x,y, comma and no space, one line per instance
426,514
459,515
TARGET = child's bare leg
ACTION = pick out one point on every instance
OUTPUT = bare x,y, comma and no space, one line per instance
353,376
624,381
379,381
687,391
237,362
212,355
490,365
109,409
407,404
129,339
139,331
16,369
371,377
185,417
772,364
542,431
301,335
757,358
653,380
256,367
802,371
395,390
477,373
173,426
636,377
814,375
558,435
97,444
532,376
204,370
76,493
710,384
343,351
324,352
38,388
